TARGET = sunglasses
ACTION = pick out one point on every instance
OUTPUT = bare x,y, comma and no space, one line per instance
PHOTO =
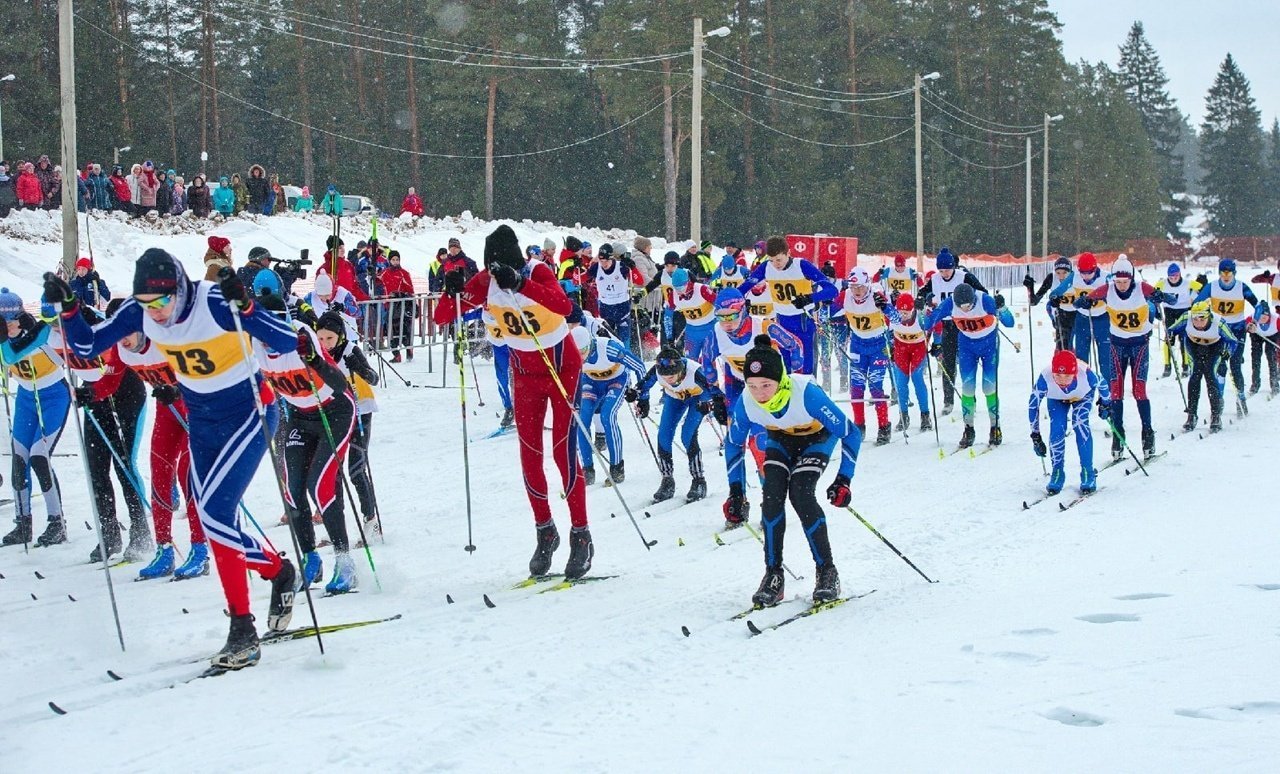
156,303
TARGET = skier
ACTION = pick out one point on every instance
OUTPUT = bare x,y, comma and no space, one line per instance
1070,387
88,286
975,316
1211,344
1178,293
324,296
898,279
690,394
1091,328
941,285
1265,345
318,424
1061,311
197,326
30,358
501,368
605,365
1228,296
793,286
531,309
170,458
613,280
729,274
909,352
803,426
695,302
672,323
869,315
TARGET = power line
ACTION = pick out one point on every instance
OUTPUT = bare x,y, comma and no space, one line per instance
963,160
748,68
979,127
939,97
380,146
966,138
805,96
762,124
840,111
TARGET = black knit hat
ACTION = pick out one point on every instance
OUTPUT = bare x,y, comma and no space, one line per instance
572,243
963,295
764,361
332,321
332,242
157,272
502,247
670,362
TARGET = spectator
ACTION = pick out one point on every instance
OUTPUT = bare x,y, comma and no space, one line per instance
224,199
84,194
331,204
88,286
120,190
338,267
28,188
396,283
8,196
435,272
455,258
277,202
49,189
100,193
135,192
148,185
412,204
304,202
164,194
241,193
178,197
199,200
217,257
257,189
53,198
259,259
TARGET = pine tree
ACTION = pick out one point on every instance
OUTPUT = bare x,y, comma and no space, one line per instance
1273,174
1145,86
1232,153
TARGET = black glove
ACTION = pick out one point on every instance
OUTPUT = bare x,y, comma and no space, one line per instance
233,289
506,277
57,291
306,347
454,282
736,508
1222,368
627,263
802,300
1104,409
838,493
720,410
1202,278
881,302
1029,283
1037,443
999,301
630,395
642,408
1055,300
936,350
84,395
165,393
704,407
1083,302
920,303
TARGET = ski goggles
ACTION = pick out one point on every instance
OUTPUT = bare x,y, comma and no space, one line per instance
160,302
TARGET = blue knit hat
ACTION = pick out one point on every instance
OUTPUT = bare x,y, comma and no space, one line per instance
727,263
10,304
679,278
1261,310
730,298
1173,269
945,259
1226,264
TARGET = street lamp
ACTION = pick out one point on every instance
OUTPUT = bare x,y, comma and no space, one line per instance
695,167
920,79
1044,202
8,77
115,154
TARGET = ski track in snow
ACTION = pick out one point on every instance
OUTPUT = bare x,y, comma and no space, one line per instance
1131,631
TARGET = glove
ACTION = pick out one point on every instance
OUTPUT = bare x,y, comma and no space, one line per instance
999,301
881,302
306,347
920,303
57,291
838,493
1037,443
630,395
802,300
642,408
454,282
1104,409
1029,283
233,289
165,393
1055,300
704,407
84,395
736,508
1083,302
627,263
1222,368
936,350
720,410
506,277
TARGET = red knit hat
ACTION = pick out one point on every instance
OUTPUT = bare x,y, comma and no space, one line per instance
218,244
1087,263
84,263
1066,362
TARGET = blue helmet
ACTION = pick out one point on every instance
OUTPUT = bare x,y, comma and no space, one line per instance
727,262
945,259
680,278
267,282
730,298
10,304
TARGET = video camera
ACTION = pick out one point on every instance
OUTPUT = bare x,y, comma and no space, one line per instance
291,271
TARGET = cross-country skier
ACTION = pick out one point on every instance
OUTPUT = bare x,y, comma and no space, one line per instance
690,393
910,349
1091,328
949,276
695,302
672,324
1211,344
31,359
1264,345
613,278
1272,281
975,316
195,325
897,278
869,315
1228,296
791,287
531,310
1178,292
325,296
1070,387
729,274
606,362
803,426
1061,311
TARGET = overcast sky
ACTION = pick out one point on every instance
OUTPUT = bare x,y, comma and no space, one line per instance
1192,37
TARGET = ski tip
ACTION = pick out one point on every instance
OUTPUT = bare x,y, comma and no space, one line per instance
648,515
86,526
613,515
57,709
114,676
38,575
33,598
679,541
73,599
652,543
1062,507
448,599
751,626
488,602
1025,506
684,630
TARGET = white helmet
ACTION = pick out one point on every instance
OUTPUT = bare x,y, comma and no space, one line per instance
859,278
581,339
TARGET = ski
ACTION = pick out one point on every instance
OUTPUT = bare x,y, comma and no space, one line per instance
1028,504
568,584
303,632
818,608
534,580
501,431
1079,499
975,454
1147,461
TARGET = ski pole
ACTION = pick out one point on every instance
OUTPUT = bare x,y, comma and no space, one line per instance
1031,350
474,379
1126,446
645,432
368,470
885,540
461,335
933,401
1017,346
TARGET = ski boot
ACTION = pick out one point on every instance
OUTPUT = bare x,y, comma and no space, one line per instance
1117,446
1242,408
697,490
618,473
735,520
946,408
312,569
1168,371
581,550
54,533
883,434
1056,480
197,563
966,438
904,422
601,443
161,565
1148,443
21,533
242,648
395,356
1254,387
110,537
862,430
590,475
344,574
996,437
140,543
1215,421
508,419
548,542
827,587
926,422
281,610
772,589
1088,481
1190,424
666,490
372,528
408,355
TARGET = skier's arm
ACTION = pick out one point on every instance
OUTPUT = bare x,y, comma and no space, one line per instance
1180,324
1037,295
821,407
1038,392
359,366
542,288
823,289
621,355
754,278
1248,295
974,282
1098,389
1062,288
1205,291
705,377
942,312
646,383
258,322
735,444
1002,313
788,341
1228,338
26,343
90,342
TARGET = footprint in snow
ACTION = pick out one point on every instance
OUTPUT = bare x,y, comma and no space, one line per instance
1034,632
1242,711
1069,717
1141,596
1105,618
1017,657
1267,586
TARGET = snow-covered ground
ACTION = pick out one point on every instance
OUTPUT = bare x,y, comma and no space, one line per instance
1137,631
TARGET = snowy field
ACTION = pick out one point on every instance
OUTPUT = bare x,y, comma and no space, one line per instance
1136,632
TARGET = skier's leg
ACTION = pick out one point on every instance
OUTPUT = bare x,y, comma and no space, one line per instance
950,343
879,364
990,359
564,432
858,386
689,437
358,465
530,401
1059,413
802,489
326,467
168,442
900,382
922,389
586,410
1084,434
773,517
1102,339
1140,362
967,360
300,448
502,373
610,404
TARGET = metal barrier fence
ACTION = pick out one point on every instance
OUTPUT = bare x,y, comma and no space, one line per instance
1007,276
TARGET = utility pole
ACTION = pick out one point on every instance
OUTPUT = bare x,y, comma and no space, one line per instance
1044,202
695,146
67,78
1028,245
920,79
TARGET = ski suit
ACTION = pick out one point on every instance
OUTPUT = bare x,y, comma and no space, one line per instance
1091,325
697,306
732,348
1069,408
501,358
869,319
938,290
1210,348
772,292
362,378
1177,300
613,292
1228,303
978,343
39,414
909,353
604,377
1265,345
689,399
1129,317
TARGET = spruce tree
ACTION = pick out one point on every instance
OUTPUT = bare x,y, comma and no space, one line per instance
1235,179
